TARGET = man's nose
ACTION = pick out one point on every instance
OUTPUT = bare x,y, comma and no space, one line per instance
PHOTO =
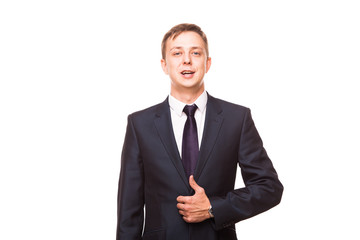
187,59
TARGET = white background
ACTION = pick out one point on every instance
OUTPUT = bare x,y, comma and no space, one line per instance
71,71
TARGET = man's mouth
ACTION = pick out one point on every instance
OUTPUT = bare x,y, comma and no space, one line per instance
187,72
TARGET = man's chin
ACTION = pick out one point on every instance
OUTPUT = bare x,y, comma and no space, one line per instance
194,87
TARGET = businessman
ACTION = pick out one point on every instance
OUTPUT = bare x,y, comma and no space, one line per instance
179,158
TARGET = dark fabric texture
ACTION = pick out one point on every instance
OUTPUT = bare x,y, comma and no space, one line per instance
190,144
152,175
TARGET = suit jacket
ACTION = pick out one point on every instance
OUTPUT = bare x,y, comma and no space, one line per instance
152,175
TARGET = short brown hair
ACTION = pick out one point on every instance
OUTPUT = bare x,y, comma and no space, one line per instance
177,30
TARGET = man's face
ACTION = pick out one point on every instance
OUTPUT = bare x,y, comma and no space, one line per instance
186,62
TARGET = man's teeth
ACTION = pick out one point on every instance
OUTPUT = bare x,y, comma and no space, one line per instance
187,72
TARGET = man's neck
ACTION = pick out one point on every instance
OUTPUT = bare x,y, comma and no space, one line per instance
187,97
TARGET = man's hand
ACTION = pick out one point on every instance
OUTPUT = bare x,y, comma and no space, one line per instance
194,208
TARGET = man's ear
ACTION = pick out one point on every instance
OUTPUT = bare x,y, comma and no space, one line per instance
163,65
208,64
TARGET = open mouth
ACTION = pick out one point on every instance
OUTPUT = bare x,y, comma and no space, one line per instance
187,72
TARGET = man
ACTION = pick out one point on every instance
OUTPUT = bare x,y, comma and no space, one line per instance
180,157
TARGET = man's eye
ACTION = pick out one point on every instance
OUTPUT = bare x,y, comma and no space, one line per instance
196,53
177,53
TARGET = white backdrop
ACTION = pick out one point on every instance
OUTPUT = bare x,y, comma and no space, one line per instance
71,72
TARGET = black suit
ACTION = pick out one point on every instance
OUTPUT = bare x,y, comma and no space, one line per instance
152,174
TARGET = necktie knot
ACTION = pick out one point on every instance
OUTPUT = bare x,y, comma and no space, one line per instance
189,110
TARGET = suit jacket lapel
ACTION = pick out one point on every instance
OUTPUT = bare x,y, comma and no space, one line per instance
213,122
164,127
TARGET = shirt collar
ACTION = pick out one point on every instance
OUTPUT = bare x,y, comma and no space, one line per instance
178,106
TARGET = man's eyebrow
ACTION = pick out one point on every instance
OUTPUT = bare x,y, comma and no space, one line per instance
195,47
175,48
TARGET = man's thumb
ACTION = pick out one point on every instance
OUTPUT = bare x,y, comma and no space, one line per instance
193,183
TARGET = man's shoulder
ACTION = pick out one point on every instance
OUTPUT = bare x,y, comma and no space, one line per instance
227,106
150,111
154,110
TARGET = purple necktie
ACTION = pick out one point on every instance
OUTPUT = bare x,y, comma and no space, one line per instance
190,144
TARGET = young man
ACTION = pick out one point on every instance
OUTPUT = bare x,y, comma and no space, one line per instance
180,157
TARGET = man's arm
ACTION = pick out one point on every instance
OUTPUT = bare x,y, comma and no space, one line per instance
131,189
263,189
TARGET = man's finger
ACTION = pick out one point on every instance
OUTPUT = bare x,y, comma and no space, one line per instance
180,206
193,184
183,199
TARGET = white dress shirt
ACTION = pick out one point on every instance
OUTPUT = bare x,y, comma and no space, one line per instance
178,117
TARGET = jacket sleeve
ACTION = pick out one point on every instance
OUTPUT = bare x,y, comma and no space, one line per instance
131,189
262,190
